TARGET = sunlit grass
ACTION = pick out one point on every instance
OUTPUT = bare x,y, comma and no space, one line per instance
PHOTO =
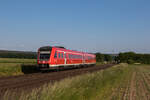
13,66
8,69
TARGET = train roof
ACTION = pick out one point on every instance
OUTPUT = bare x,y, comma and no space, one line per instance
73,51
45,48
60,47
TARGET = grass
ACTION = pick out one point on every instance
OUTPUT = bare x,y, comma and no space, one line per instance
94,86
8,69
15,60
114,83
13,66
99,63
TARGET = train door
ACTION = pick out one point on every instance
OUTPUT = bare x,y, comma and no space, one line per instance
58,58
61,60
68,58
65,61
83,59
55,57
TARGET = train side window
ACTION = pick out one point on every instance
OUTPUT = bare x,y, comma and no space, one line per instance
55,56
62,55
69,56
59,54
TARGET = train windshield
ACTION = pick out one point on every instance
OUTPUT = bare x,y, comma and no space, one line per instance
44,53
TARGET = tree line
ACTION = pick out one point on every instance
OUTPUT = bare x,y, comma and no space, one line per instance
132,57
127,57
104,57
18,54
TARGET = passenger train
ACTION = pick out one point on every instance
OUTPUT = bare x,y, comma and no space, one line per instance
55,57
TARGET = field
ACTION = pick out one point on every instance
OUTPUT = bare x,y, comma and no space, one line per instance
120,82
102,82
13,66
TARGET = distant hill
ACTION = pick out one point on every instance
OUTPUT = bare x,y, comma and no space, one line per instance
17,54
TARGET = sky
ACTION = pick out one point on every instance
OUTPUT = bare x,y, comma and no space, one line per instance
106,26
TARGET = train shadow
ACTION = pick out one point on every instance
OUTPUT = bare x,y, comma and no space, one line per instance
57,69
33,68
62,69
29,69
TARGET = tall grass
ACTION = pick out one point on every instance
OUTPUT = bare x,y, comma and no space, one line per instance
92,86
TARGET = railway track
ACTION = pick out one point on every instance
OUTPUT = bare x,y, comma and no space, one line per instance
31,81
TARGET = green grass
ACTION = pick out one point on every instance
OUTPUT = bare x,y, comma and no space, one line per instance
13,66
99,63
15,60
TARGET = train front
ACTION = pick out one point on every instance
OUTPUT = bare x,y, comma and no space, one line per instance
43,58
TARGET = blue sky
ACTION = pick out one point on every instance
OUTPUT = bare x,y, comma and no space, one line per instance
107,26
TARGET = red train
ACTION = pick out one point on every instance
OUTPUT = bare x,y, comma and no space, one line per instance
55,57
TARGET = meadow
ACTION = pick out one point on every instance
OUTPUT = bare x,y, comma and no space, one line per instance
13,66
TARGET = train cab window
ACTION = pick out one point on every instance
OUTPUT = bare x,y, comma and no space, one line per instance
65,55
55,56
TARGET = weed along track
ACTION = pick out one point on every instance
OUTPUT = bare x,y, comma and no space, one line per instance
30,81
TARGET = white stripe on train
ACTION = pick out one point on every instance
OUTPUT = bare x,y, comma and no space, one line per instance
70,64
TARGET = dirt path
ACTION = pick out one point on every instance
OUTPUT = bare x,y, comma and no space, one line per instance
31,81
